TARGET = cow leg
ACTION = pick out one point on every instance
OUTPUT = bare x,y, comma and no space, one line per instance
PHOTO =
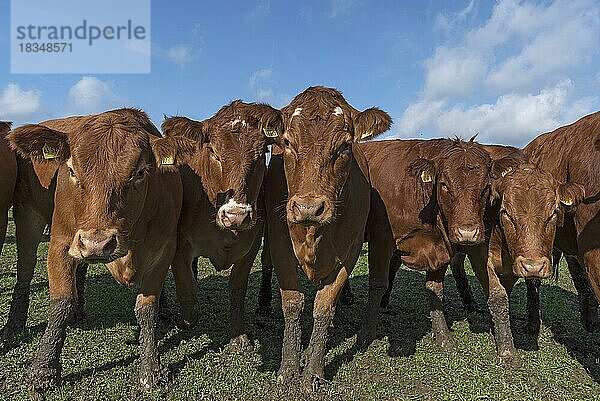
588,304
533,318
80,274
186,286
457,265
29,227
497,300
395,264
265,296
46,367
323,313
151,374
292,304
380,254
435,291
238,284
347,296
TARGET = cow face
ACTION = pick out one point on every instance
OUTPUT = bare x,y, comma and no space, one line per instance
228,153
104,170
461,177
532,205
320,128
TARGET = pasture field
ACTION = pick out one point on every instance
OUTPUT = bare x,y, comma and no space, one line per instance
99,357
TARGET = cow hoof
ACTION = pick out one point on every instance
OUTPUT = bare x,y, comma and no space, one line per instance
240,344
510,359
153,378
42,380
287,375
187,321
311,382
10,331
446,342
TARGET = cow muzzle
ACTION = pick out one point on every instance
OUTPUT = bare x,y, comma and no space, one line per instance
532,268
466,236
310,210
99,246
235,216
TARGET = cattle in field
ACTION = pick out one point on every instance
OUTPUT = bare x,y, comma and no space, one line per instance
113,204
223,166
572,155
8,178
317,201
428,204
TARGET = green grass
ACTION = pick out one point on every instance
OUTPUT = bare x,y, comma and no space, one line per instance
99,357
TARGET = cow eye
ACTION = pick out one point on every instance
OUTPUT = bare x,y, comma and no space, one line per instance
345,148
71,173
286,142
552,216
444,187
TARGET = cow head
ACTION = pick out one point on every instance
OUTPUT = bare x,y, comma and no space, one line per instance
460,177
227,151
320,128
104,167
531,205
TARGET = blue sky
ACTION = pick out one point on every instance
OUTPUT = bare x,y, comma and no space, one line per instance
507,69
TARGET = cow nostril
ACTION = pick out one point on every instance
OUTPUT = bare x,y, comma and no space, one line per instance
320,209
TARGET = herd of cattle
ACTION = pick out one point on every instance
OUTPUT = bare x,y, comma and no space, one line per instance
119,192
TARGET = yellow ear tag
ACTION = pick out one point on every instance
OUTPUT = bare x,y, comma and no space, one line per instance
270,133
366,134
568,202
168,161
49,152
425,176
508,170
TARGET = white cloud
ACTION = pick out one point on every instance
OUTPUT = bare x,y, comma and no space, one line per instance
179,54
16,103
261,83
343,8
447,22
525,58
513,118
91,95
259,12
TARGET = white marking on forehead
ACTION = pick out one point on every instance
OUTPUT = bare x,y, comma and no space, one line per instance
338,111
297,111
237,121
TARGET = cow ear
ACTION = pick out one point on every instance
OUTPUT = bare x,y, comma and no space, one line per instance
424,169
370,123
502,167
4,128
172,151
270,121
570,195
184,127
46,148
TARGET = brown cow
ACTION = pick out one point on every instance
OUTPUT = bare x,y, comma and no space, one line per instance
8,178
572,154
113,205
33,205
222,216
317,206
427,204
